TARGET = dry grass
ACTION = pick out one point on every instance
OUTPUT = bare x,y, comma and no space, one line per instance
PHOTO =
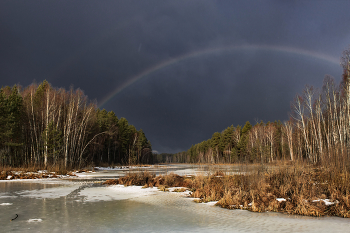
258,190
147,179
32,172
163,188
110,182
180,190
4,175
299,186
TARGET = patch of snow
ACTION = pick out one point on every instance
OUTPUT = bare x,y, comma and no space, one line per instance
280,199
5,196
212,203
6,203
187,193
35,220
326,201
115,192
234,206
9,177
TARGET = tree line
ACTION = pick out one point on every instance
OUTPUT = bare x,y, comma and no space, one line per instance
45,126
318,131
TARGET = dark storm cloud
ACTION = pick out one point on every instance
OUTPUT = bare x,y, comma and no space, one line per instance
99,45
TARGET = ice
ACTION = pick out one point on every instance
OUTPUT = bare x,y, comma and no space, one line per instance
121,168
49,192
87,206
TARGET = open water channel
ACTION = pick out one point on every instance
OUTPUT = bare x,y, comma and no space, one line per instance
82,204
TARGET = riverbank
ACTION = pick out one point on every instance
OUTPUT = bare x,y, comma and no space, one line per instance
9,173
64,205
21,173
287,188
295,189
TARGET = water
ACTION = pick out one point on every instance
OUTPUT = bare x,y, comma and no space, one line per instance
84,205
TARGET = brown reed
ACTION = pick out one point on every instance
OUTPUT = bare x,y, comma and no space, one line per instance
303,188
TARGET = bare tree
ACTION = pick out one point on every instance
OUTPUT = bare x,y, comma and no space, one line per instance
288,127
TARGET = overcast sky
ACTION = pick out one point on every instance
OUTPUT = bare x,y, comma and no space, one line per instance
179,69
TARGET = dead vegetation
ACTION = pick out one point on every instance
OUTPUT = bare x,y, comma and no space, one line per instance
11,173
180,190
295,189
147,179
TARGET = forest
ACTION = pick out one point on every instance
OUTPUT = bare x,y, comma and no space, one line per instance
46,127
318,132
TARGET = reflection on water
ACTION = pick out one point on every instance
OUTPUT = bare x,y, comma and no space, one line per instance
65,206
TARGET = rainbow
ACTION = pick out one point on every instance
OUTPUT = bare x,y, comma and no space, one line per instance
210,51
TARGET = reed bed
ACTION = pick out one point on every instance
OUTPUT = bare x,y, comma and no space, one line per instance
293,189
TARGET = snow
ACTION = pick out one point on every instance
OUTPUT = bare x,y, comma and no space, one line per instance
34,220
280,199
210,203
326,201
115,192
6,203
5,196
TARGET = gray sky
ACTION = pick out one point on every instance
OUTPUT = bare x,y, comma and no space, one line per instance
180,70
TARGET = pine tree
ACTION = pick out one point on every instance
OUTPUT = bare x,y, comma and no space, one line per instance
227,142
243,153
216,145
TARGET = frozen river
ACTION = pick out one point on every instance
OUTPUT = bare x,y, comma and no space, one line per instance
82,204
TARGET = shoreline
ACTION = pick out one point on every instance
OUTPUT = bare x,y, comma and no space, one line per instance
287,190
296,190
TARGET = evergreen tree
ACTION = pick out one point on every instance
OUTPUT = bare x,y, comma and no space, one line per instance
243,153
216,145
227,142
